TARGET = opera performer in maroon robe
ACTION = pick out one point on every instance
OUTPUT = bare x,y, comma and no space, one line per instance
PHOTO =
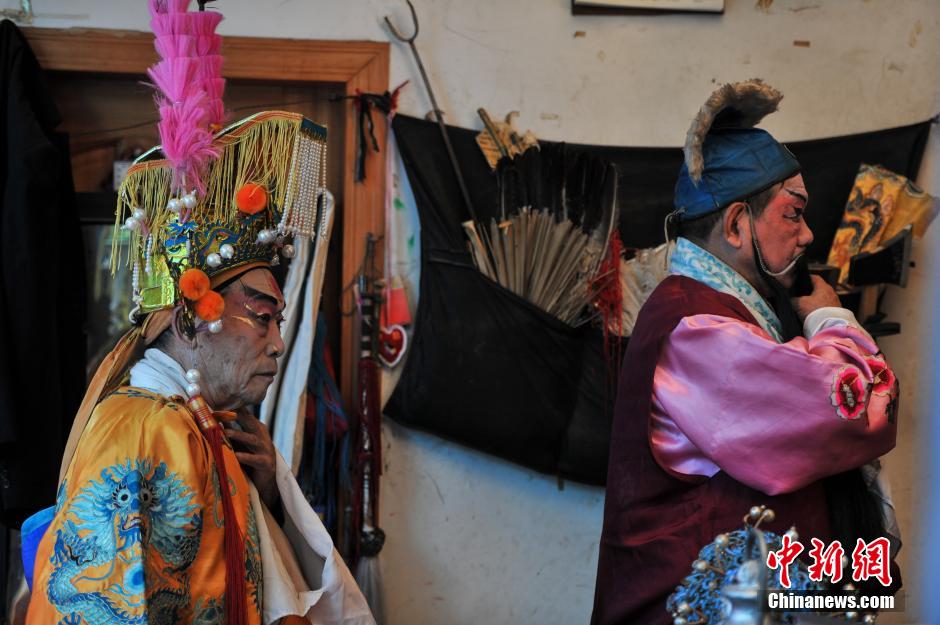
732,394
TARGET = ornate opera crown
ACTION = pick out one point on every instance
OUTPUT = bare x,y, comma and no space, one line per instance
266,185
211,200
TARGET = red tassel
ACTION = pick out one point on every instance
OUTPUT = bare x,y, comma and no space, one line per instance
236,592
608,301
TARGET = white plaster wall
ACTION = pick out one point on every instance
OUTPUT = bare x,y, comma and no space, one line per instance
628,80
926,494
476,540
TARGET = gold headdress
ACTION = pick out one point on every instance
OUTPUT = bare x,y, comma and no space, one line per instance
265,187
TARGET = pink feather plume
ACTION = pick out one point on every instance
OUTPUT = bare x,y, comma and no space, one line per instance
189,85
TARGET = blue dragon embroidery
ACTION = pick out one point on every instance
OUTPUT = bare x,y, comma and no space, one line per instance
135,511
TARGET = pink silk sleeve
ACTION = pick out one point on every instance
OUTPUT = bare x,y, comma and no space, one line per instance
727,397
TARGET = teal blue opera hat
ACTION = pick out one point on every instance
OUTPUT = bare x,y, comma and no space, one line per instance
726,158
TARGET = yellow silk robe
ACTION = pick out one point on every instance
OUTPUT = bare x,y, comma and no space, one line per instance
138,535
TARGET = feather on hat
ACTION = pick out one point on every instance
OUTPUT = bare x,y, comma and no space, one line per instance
733,105
726,158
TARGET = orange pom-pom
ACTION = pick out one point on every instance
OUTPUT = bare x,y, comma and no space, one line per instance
251,198
194,283
209,307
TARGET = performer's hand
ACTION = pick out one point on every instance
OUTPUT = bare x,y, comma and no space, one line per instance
822,296
255,452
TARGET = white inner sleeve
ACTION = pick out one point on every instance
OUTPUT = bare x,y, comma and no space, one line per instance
829,317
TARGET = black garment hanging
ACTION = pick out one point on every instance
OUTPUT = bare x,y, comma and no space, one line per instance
42,286
486,368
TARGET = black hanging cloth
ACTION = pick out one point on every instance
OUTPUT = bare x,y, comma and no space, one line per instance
42,286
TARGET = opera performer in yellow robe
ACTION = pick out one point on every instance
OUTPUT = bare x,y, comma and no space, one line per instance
173,505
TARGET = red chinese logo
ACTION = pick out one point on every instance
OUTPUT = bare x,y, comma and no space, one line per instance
869,560
872,560
827,561
784,557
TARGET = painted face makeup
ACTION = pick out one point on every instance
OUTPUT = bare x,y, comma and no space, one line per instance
264,301
782,235
240,362
260,314
262,281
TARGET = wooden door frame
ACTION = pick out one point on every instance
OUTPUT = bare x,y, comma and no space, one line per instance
360,66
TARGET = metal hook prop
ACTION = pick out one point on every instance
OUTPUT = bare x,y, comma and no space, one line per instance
437,112
414,20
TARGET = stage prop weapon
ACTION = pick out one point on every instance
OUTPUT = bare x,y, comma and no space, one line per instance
436,110
369,456
487,247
